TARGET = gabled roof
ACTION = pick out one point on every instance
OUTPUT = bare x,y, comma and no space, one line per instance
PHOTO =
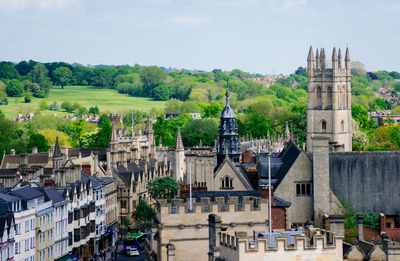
238,171
27,193
8,198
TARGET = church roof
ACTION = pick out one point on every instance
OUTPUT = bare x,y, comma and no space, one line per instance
368,180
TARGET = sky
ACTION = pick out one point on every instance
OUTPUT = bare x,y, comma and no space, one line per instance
258,36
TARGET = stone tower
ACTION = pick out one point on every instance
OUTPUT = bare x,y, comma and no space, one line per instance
228,141
329,100
58,157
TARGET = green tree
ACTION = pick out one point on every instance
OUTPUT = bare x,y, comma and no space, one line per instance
101,138
94,110
39,75
62,75
162,92
212,110
14,88
162,188
151,77
28,97
8,71
39,141
144,214
205,130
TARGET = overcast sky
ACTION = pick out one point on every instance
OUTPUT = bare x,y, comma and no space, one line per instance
264,36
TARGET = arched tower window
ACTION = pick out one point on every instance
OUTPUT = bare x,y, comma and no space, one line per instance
323,125
329,96
319,97
342,126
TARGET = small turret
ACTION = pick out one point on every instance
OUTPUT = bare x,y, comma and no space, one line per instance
317,65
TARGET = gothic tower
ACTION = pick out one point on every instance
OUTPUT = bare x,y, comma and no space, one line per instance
58,157
228,141
329,100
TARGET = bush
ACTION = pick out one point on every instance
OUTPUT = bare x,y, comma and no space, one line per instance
28,97
3,98
43,106
371,220
14,88
82,111
54,107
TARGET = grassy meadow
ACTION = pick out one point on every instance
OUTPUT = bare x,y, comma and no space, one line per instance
106,99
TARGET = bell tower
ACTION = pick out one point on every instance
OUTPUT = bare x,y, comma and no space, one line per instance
329,100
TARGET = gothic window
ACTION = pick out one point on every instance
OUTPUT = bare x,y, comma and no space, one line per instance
329,96
342,126
323,126
303,188
226,183
319,97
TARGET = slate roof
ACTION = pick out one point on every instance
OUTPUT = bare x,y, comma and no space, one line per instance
53,195
27,193
8,198
279,165
8,171
278,202
368,180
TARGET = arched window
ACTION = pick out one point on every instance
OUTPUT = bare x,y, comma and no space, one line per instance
319,97
342,126
323,126
329,96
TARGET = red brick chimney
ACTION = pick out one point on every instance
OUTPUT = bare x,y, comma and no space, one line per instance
382,223
247,156
265,193
86,169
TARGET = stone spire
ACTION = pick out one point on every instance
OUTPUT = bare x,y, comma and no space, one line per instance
347,59
57,150
179,143
287,132
334,59
113,133
228,138
322,58
340,59
149,127
318,65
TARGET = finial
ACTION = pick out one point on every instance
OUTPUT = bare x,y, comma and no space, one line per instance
334,56
347,57
133,127
226,151
340,59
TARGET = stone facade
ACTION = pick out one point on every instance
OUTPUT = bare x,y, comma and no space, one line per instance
185,229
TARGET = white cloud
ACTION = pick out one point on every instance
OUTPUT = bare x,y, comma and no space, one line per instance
17,5
188,20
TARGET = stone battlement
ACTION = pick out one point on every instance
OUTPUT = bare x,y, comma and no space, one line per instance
212,205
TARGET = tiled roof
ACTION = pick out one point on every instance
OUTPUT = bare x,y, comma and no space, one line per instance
53,195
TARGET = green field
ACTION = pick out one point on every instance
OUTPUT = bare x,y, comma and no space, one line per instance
106,99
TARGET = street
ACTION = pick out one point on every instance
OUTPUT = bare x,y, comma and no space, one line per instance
123,257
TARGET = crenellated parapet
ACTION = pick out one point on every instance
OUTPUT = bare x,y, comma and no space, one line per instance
326,246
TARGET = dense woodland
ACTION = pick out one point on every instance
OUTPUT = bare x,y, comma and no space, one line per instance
259,108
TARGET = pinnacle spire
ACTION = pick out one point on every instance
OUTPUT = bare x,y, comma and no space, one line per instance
310,54
340,59
57,150
149,128
334,55
287,132
179,143
133,126
160,141
347,57
317,60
